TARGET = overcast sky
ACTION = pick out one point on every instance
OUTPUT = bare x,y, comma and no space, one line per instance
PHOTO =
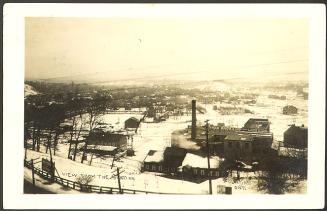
194,48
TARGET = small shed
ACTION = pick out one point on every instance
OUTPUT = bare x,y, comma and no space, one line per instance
289,109
132,122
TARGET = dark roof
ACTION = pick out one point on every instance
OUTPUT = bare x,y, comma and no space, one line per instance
175,151
151,152
132,119
289,106
258,119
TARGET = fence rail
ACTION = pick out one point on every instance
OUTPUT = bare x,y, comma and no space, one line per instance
85,188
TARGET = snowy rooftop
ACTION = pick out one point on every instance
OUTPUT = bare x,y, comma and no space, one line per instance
154,156
117,121
101,147
200,162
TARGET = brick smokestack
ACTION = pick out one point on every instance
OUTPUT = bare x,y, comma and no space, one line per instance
193,133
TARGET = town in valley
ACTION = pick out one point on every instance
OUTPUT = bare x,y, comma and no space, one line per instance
207,137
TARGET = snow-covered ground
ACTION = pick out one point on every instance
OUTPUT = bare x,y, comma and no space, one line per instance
157,136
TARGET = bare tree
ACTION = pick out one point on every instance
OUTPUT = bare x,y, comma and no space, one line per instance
77,134
75,110
94,110
84,181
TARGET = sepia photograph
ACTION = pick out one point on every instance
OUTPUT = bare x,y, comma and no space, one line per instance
166,104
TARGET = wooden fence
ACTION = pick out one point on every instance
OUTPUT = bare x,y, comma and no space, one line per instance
85,188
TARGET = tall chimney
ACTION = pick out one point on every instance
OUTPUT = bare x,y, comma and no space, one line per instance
193,134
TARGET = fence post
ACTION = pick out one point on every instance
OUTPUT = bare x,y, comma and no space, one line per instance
100,189
73,185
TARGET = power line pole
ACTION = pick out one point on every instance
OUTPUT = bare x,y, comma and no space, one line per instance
33,179
119,185
118,177
51,161
208,156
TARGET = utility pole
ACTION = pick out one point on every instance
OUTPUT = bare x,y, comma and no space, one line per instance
119,185
118,177
52,167
208,156
33,179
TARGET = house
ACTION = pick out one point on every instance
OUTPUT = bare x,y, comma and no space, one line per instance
257,124
154,161
132,122
296,137
166,161
247,147
103,138
289,109
197,166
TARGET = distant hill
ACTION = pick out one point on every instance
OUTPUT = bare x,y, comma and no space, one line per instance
29,90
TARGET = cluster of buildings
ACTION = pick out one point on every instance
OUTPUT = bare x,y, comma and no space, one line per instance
107,141
249,144
177,161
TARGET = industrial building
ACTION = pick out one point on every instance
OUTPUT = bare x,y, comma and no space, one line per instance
247,147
